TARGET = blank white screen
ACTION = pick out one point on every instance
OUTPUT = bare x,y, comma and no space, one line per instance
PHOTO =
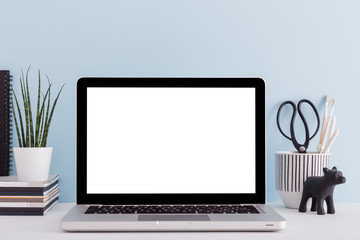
171,140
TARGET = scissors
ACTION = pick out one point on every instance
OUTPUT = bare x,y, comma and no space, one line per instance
300,147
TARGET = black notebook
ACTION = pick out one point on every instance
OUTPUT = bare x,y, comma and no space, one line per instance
5,122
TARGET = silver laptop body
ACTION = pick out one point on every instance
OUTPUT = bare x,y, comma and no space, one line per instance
171,154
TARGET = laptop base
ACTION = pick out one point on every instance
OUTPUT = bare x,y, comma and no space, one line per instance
77,221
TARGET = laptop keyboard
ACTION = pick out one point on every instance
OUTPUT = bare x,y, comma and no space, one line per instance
173,209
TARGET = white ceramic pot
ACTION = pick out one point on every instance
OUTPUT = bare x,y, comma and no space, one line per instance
33,164
291,171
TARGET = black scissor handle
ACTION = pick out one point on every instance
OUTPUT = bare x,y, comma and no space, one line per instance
300,147
303,118
292,118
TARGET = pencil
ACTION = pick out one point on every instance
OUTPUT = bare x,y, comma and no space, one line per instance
331,141
328,122
321,142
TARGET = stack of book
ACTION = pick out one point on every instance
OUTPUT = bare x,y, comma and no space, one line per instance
28,198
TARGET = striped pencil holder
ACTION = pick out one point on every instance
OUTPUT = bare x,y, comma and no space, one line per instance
291,171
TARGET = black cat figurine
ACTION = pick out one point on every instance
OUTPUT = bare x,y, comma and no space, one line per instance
321,189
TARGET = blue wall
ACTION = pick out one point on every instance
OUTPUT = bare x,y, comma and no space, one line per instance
305,49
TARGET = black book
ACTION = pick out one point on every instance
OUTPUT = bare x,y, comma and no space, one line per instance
10,186
5,122
23,211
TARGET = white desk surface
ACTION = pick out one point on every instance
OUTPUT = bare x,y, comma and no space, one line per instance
342,225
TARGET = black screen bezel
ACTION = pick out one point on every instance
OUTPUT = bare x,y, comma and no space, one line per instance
87,82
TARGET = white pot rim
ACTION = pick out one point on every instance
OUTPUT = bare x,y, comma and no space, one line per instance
297,153
31,147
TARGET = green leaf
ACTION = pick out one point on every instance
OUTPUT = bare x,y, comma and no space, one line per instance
42,128
38,117
46,116
32,139
16,125
42,114
26,110
47,124
20,119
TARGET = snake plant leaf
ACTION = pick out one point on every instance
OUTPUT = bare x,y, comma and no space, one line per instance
47,124
43,142
16,125
26,110
41,128
42,114
22,84
32,139
20,120
38,117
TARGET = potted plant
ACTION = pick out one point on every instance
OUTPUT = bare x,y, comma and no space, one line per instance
32,157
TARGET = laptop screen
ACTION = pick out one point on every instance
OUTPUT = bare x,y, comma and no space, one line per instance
162,140
170,140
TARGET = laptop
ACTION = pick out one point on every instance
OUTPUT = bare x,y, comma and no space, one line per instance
171,154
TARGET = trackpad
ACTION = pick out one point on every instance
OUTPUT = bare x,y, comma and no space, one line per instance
173,218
